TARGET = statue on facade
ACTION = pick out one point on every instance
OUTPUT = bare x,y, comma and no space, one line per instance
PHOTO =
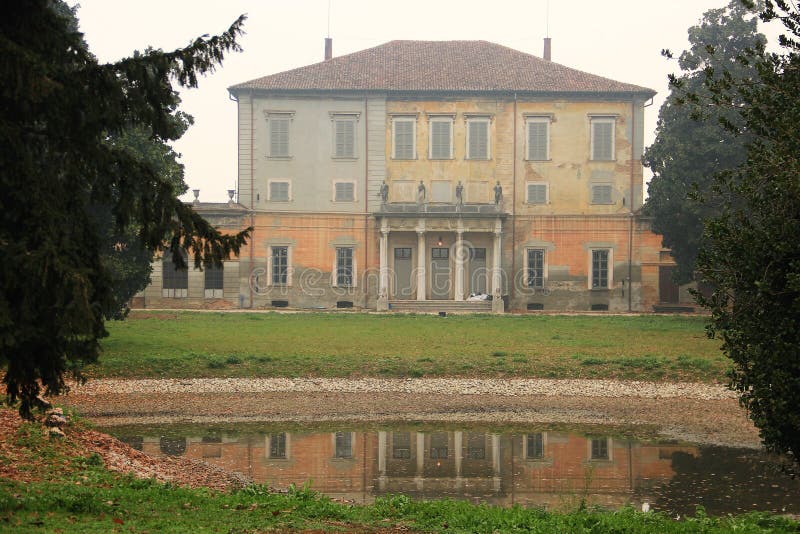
459,194
384,192
421,193
498,193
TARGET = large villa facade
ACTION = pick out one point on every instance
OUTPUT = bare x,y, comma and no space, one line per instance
425,175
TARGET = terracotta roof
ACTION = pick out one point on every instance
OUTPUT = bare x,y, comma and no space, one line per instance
452,66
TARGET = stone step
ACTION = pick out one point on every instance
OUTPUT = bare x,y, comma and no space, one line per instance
434,306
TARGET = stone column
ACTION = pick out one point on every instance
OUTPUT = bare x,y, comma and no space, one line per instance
421,281
383,282
496,462
460,253
419,475
458,445
497,290
382,460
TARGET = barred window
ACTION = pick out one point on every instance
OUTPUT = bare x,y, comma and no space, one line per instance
344,445
277,445
344,266
599,269
280,265
535,276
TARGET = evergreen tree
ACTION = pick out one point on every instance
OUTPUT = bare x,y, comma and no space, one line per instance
60,110
692,141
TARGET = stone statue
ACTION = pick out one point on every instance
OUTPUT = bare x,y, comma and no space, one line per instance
459,193
498,193
421,194
384,193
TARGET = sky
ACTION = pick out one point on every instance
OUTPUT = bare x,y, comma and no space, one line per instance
618,39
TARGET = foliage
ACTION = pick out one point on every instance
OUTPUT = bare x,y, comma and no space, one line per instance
195,344
692,142
58,109
752,255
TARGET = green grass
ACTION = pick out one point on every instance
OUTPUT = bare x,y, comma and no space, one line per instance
192,344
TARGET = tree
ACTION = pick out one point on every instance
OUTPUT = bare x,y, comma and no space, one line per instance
692,143
752,254
59,107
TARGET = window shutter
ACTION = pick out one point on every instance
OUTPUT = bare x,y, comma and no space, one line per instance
278,137
601,194
279,191
537,140
404,139
602,140
344,138
440,139
345,191
478,140
537,194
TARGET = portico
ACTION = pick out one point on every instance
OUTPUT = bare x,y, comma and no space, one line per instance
440,256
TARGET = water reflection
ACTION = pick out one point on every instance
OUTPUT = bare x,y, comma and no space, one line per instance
542,468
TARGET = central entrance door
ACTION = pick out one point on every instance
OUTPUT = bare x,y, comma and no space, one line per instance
440,274
477,270
402,273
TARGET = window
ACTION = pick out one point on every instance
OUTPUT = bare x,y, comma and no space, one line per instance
402,253
600,274
441,138
534,446
537,193
174,282
476,446
603,138
599,449
212,446
344,136
277,445
535,268
278,131
214,281
478,138
280,191
404,134
439,446
440,253
601,194
280,266
343,445
344,266
538,138
401,445
344,191
440,191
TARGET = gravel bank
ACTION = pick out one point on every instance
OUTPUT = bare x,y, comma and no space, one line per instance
442,386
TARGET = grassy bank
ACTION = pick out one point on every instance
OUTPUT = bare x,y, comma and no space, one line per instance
57,487
184,344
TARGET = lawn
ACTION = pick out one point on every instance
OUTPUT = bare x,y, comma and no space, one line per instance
218,344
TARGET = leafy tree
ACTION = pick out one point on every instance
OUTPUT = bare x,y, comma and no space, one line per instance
692,142
752,253
59,107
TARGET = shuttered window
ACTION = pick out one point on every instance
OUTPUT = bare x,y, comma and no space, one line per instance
537,193
344,191
279,136
279,191
539,139
599,269
478,139
344,138
601,194
603,139
404,138
441,138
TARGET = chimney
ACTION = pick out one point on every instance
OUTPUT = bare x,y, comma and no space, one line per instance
328,48
547,48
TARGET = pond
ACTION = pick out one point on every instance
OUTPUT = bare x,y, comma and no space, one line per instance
540,467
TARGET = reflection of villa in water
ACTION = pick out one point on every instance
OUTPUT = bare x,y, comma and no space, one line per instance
549,469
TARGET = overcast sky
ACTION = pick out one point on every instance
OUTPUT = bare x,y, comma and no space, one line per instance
619,39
